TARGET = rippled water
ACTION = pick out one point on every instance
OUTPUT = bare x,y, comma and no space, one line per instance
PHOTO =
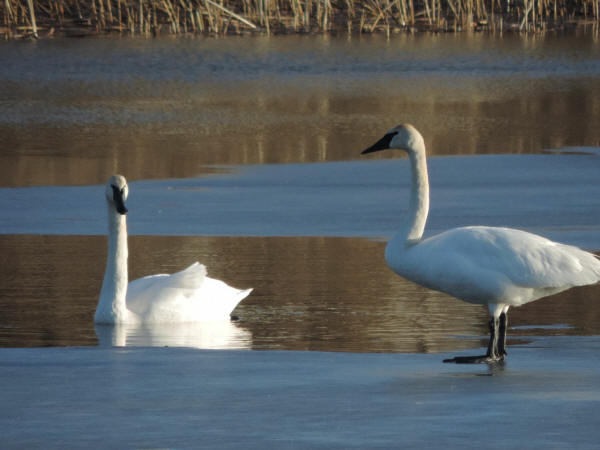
76,111
332,294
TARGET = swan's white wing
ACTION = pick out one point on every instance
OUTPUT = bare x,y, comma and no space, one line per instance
149,292
483,264
526,259
186,296
191,277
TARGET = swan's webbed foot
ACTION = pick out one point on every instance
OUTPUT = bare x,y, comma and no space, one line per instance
475,359
496,347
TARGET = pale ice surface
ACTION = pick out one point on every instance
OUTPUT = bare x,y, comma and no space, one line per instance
554,195
545,396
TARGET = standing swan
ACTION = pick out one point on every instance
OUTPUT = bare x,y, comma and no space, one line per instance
497,267
186,296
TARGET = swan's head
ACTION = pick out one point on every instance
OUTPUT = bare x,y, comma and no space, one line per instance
403,137
117,192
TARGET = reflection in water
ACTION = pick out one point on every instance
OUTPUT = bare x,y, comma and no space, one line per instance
75,112
330,294
218,334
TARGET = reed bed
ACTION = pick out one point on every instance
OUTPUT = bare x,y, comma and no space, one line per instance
34,18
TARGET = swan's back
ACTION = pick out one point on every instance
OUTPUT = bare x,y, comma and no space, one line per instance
185,296
488,264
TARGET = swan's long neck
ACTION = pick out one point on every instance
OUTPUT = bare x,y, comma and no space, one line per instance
112,307
419,195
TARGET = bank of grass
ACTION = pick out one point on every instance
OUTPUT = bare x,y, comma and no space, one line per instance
35,18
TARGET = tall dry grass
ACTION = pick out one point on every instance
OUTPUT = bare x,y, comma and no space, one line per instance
22,18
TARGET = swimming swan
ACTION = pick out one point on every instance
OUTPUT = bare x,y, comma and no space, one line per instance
497,267
186,296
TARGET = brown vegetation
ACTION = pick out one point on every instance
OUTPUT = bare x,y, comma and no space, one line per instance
26,18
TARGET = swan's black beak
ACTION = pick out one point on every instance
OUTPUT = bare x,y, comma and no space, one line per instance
118,199
121,209
381,144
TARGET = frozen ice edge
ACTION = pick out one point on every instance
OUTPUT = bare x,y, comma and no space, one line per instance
555,195
187,398
183,398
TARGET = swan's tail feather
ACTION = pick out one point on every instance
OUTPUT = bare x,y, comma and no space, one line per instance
220,299
238,297
191,277
243,294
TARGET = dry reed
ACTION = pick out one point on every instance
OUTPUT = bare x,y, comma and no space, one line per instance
28,18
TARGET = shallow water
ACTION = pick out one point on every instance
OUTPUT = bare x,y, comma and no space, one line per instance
328,294
312,292
76,111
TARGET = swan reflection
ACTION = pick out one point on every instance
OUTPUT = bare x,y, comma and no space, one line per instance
218,334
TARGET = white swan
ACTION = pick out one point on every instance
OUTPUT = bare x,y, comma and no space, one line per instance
186,296
497,267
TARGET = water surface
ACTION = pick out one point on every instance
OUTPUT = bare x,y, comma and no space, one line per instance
73,112
76,111
328,294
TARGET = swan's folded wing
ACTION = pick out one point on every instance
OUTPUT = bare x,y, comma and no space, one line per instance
477,264
189,278
562,265
533,261
144,293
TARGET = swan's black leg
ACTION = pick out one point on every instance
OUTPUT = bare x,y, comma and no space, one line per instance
493,344
493,352
502,335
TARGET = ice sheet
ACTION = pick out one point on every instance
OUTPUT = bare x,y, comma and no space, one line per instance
545,396
555,195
